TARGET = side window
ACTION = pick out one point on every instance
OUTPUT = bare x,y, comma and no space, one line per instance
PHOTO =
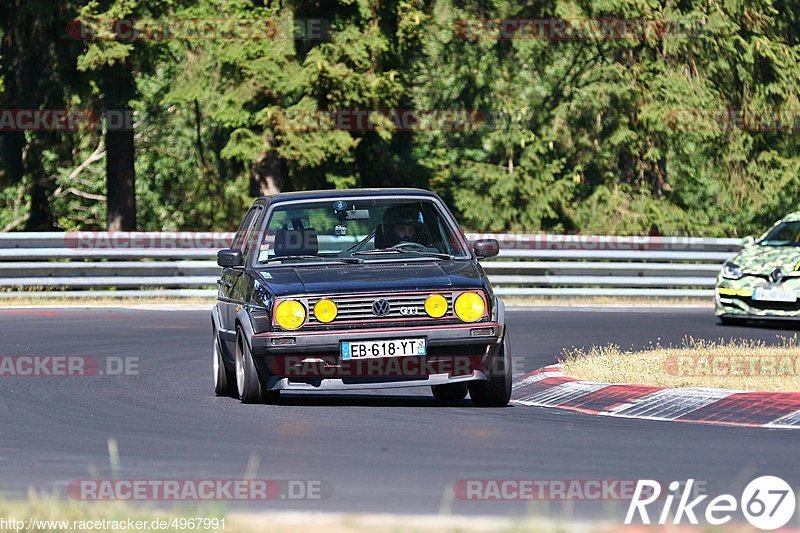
444,239
251,233
241,233
433,223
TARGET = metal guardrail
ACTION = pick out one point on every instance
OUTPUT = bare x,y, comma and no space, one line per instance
152,264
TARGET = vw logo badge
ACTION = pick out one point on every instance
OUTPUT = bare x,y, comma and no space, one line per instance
380,307
776,275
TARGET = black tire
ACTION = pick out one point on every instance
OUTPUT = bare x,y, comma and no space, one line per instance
497,391
224,379
248,382
731,321
451,392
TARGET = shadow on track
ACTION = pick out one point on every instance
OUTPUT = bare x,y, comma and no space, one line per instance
362,400
791,326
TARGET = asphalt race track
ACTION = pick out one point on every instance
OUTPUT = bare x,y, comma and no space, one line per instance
378,451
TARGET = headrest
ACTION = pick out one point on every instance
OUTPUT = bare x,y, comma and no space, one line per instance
296,242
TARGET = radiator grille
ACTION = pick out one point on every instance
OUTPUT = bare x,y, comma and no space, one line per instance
401,307
357,308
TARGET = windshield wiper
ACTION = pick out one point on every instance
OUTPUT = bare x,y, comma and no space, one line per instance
357,246
400,251
431,254
352,260
377,251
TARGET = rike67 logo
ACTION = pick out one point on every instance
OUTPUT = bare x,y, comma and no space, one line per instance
767,503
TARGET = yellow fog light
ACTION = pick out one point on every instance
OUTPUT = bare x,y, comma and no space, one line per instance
436,305
325,311
470,307
290,314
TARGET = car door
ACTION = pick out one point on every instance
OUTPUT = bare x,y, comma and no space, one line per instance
227,293
243,284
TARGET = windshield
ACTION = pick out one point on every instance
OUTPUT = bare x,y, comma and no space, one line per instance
356,230
784,234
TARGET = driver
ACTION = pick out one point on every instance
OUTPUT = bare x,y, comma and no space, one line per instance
402,224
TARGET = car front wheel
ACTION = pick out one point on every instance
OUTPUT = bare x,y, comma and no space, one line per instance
496,392
248,382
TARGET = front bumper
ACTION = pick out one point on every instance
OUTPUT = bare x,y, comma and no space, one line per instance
455,354
737,302
286,383
327,341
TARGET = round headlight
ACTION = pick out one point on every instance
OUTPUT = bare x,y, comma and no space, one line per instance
290,314
325,311
436,305
470,307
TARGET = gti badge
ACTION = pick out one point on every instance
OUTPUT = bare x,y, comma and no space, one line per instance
380,307
776,276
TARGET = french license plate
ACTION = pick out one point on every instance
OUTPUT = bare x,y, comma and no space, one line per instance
383,348
774,295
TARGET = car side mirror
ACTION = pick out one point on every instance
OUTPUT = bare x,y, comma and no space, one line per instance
229,258
486,248
748,241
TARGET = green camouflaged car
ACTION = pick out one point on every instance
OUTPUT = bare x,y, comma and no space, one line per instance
763,281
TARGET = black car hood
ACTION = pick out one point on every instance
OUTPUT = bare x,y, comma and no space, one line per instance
372,277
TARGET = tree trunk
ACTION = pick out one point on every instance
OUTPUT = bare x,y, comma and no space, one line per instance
120,152
11,147
120,181
40,217
267,175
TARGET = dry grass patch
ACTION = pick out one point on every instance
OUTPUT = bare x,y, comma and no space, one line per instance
735,364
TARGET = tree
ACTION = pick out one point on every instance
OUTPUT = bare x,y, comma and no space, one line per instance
112,60
38,72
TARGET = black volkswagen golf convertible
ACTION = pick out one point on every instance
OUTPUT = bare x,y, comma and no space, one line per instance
356,289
